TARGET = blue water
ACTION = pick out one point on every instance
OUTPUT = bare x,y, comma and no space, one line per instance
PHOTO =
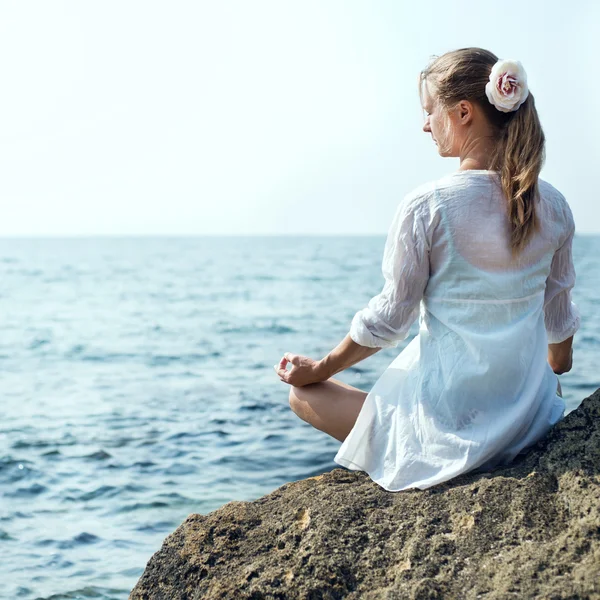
137,388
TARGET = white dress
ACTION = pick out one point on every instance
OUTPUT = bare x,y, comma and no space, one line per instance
474,387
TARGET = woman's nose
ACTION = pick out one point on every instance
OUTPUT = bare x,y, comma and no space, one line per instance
426,127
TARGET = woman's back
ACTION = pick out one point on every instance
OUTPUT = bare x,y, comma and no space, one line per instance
474,225
470,256
474,388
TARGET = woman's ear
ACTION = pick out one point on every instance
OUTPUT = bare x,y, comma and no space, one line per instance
465,111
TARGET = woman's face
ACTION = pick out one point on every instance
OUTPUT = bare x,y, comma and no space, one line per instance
438,123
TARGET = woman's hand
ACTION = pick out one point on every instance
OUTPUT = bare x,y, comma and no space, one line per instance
304,370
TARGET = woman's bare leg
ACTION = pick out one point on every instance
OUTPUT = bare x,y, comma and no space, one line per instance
330,406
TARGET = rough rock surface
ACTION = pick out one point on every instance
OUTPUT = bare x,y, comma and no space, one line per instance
531,530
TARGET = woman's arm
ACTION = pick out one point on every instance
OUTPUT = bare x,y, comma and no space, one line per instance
561,315
560,356
306,370
344,355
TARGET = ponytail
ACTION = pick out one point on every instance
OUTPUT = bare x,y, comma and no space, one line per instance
519,158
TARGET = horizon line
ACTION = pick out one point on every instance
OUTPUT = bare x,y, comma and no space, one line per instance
181,235
207,235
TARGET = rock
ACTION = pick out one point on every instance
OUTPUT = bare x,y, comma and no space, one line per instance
530,530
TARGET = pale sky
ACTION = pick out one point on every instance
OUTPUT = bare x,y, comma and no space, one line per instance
262,117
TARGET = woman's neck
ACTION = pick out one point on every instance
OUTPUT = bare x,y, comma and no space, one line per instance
469,164
476,154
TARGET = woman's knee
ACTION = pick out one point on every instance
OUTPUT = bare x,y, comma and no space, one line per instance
295,402
299,403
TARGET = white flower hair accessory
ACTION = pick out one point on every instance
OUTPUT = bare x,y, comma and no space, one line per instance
507,88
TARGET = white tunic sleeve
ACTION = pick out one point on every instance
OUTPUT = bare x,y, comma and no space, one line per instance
387,318
561,314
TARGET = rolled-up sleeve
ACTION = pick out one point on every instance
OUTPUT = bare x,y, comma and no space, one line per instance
561,315
387,318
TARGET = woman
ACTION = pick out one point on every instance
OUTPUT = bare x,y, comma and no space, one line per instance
484,257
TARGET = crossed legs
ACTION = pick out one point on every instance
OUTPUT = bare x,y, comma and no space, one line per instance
330,406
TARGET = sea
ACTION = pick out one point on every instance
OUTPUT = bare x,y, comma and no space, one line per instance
137,387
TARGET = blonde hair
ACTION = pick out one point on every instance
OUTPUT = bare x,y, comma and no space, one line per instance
519,139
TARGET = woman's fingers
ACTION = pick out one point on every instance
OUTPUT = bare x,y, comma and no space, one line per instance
281,370
293,358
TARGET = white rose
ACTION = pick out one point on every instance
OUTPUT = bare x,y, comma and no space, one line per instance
507,88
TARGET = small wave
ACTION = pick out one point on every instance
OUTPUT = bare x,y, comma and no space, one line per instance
7,461
183,435
103,490
158,526
253,407
178,498
99,455
159,360
122,543
97,592
16,515
82,539
109,357
134,487
144,464
34,489
82,573
79,352
258,330
141,506
56,562
585,386
121,442
86,538
31,272
38,343
258,366
17,471
250,278
69,441
133,572
180,469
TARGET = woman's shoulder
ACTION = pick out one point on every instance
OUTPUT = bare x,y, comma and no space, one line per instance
420,195
470,182
455,180
460,186
434,191
549,193
554,203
